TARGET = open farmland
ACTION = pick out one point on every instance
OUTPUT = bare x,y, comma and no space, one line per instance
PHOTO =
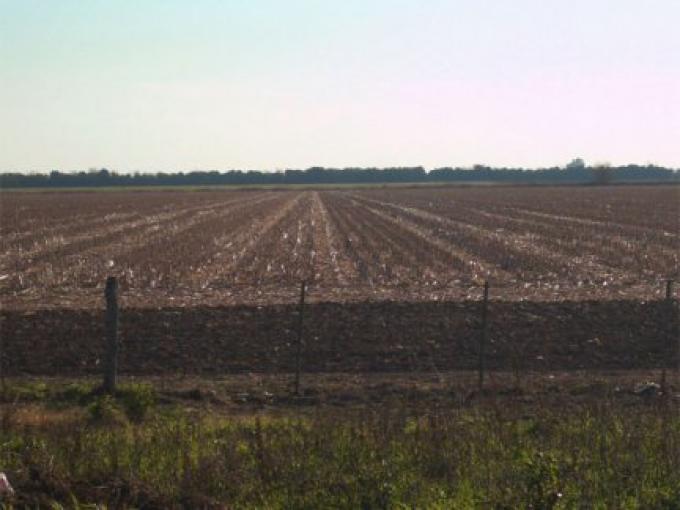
209,280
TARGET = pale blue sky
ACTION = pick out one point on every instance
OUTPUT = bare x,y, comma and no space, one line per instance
182,85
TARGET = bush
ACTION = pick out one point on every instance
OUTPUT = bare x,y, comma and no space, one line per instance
79,393
137,399
26,392
105,411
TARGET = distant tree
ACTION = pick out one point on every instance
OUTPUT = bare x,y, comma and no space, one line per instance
575,172
602,174
576,164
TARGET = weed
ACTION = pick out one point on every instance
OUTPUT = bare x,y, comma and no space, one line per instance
137,399
602,457
104,410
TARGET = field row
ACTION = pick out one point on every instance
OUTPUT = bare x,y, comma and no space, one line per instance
398,243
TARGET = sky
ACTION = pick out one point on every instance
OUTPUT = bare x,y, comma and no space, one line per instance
166,85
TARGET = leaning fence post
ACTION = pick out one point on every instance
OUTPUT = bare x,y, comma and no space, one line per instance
298,345
111,353
482,340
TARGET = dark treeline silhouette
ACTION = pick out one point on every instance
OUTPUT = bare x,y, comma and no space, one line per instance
572,174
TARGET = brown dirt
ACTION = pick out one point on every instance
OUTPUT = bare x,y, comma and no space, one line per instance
209,280
347,337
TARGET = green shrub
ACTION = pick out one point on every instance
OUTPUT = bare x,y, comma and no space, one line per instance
77,393
26,392
137,399
105,411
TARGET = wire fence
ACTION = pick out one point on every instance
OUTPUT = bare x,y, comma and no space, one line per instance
486,335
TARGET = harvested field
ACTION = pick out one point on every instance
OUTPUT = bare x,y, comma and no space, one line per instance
209,279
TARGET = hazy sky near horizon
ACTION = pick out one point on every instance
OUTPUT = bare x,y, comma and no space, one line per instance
172,85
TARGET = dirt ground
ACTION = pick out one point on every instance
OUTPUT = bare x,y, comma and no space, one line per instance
209,281
251,393
347,337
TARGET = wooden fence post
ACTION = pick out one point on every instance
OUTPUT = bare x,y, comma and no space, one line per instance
111,353
673,335
670,331
483,337
3,383
298,345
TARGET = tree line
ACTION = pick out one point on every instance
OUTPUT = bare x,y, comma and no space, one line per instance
573,173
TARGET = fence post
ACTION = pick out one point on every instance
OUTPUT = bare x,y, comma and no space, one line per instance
298,345
3,384
670,331
111,353
482,340
672,325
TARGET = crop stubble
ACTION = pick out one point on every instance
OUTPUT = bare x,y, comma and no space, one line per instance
248,250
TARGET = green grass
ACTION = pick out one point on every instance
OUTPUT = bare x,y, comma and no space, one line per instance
596,456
